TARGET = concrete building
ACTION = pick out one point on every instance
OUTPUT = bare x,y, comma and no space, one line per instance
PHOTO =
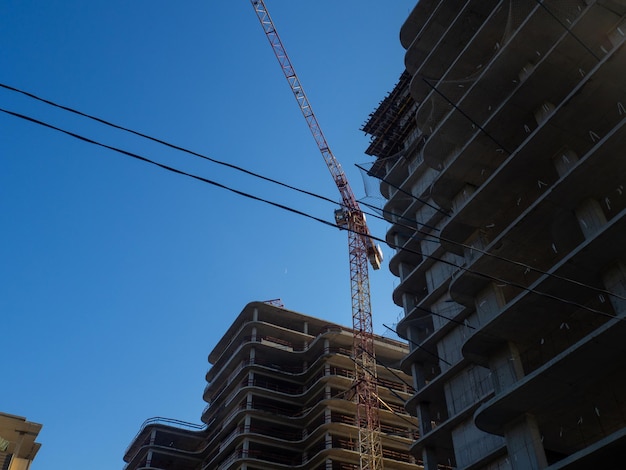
501,155
279,395
17,442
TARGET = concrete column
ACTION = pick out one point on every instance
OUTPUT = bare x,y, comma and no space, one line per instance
419,379
564,161
326,346
328,441
523,443
245,447
590,217
506,368
248,401
255,314
488,303
412,337
149,458
153,434
305,328
408,302
424,418
253,334
429,458
615,281
404,269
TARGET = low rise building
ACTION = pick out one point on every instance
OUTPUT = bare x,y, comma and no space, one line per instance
17,442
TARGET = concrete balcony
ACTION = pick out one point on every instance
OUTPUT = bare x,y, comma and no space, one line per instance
602,453
405,198
431,33
571,418
539,236
417,22
161,441
452,28
527,174
529,315
408,251
435,89
416,284
425,351
440,436
396,172
518,83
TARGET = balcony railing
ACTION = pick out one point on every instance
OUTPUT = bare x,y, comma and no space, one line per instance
172,423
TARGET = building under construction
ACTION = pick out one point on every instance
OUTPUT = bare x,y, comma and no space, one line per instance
501,156
280,394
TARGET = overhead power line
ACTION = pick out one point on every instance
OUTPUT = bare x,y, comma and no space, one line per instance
439,239
167,167
302,191
183,149
162,142
430,237
295,211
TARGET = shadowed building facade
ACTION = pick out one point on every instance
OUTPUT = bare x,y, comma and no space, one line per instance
501,156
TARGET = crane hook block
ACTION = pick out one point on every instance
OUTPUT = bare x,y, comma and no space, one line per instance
375,256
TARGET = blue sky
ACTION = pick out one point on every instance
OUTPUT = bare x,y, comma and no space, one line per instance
118,278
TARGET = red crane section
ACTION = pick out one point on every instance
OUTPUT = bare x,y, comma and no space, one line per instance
361,249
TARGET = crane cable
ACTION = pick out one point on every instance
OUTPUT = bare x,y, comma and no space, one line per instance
296,211
291,187
167,167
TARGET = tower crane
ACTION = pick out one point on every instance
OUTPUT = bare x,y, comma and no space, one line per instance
361,249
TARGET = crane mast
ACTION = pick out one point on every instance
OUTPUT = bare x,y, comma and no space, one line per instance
361,250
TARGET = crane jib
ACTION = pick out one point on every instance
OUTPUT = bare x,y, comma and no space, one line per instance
361,250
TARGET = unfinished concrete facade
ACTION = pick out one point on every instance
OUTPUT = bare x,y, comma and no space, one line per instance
279,395
501,155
